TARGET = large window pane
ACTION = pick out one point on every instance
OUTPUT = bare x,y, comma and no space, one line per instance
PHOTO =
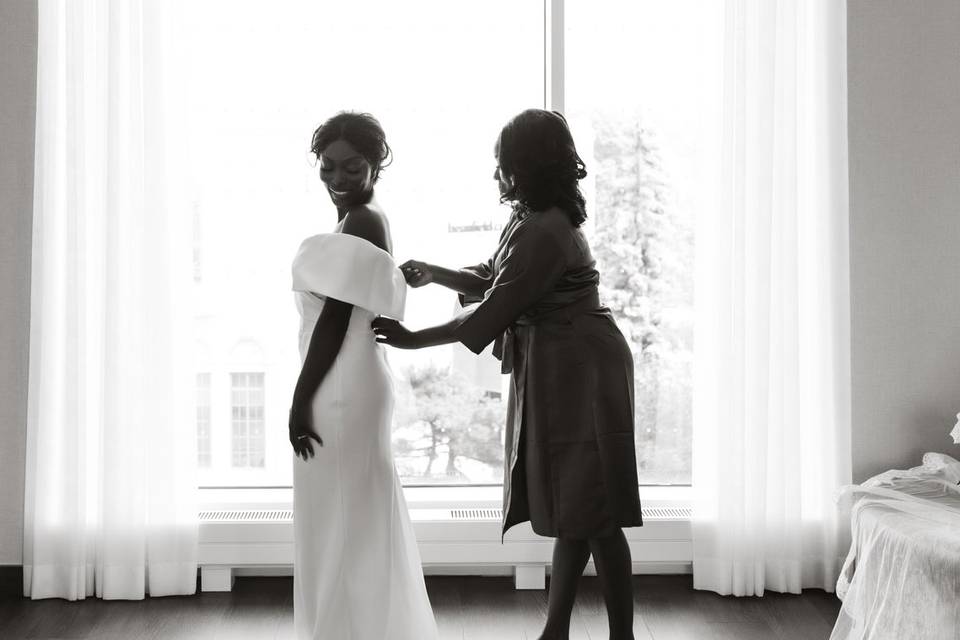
442,77
635,76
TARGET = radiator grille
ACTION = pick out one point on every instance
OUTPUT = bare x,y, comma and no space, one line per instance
476,514
649,513
247,515
666,513
286,515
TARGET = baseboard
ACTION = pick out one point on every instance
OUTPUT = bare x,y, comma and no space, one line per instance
11,581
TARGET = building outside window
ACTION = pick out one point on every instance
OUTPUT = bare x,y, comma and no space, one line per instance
248,444
203,420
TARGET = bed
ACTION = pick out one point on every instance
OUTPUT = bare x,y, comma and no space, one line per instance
901,577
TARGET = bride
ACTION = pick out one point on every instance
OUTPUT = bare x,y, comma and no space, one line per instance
357,571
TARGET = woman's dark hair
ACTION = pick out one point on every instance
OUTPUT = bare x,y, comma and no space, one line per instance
536,151
364,134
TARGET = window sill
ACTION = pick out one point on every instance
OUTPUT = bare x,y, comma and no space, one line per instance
418,497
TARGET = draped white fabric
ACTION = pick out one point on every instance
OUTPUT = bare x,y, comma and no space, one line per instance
899,580
110,488
771,441
365,276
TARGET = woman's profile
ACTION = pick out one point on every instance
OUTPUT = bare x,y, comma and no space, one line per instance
357,570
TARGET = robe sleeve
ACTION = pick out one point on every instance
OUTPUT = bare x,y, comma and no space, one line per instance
531,266
350,269
483,275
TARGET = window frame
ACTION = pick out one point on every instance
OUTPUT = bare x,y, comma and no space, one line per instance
465,495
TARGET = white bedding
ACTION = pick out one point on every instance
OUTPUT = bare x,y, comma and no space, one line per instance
901,578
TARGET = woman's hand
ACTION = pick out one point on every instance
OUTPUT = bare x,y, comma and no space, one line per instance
391,332
301,431
416,273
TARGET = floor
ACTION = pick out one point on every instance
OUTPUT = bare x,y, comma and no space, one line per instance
466,608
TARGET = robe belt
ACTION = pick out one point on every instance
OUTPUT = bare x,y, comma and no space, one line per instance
504,345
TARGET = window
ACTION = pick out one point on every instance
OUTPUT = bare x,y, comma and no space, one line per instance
248,443
442,78
634,93
203,420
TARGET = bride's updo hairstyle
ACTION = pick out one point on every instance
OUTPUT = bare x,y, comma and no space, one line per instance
536,151
364,134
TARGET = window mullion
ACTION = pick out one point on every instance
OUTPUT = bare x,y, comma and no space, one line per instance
553,41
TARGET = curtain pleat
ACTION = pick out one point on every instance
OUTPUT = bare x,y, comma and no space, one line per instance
110,504
771,440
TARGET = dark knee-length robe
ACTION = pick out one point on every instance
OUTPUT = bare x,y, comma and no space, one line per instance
570,460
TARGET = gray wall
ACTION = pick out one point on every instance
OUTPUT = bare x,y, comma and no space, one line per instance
904,106
18,79
904,74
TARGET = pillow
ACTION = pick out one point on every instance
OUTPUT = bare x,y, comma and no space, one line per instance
942,464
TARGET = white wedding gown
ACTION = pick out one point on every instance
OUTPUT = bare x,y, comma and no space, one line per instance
357,571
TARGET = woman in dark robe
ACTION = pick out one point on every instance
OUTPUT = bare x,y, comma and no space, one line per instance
570,463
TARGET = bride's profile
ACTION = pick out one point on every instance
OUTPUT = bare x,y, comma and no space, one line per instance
357,571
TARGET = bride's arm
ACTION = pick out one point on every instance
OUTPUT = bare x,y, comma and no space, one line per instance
325,343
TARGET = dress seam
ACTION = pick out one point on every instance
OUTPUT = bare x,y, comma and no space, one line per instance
343,524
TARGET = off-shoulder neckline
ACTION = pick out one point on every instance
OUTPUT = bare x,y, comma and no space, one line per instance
349,235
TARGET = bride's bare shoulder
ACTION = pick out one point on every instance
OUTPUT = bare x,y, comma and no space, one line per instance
371,224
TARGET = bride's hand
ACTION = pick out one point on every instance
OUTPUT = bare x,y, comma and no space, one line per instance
391,332
416,273
301,431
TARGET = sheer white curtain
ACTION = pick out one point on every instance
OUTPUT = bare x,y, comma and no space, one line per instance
109,500
772,401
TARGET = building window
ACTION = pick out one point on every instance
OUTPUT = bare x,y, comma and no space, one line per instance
203,420
197,244
247,413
